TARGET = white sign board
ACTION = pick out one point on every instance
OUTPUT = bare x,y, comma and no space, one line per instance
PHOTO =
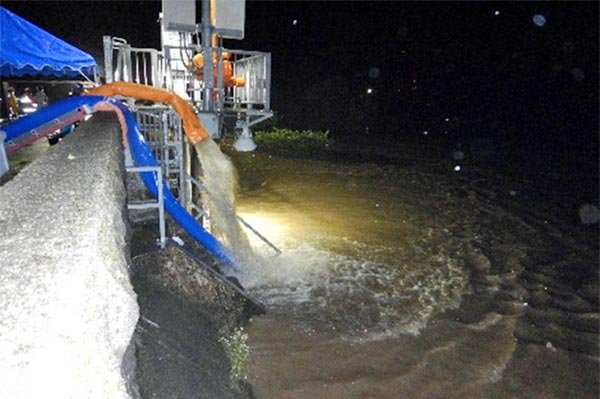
179,15
229,17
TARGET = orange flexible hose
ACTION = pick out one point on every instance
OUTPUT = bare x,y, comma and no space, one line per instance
191,127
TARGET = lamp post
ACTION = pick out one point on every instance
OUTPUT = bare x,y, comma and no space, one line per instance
207,68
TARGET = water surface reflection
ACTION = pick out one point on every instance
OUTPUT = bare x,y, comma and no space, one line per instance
407,281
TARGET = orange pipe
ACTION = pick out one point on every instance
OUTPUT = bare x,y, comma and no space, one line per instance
192,128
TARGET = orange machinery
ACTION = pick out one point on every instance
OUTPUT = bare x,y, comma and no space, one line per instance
227,67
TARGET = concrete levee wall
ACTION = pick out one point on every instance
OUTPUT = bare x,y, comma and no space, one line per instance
67,307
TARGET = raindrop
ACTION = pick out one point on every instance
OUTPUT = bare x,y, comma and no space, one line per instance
374,73
457,168
539,20
496,12
425,133
295,22
589,214
458,155
578,74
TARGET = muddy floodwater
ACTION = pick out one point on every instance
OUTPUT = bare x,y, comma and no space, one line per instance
407,279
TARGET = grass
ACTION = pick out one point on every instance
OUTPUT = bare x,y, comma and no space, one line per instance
238,351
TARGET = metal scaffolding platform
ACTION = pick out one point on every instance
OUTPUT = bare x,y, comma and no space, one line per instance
178,67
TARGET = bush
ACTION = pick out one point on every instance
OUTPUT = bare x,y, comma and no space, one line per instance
288,141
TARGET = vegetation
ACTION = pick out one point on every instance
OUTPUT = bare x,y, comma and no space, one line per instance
238,351
293,142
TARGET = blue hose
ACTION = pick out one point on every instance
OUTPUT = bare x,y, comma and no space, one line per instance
142,156
47,114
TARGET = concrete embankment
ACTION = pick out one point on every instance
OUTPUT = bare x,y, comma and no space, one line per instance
68,310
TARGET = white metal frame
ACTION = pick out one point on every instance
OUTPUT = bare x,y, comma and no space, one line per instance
170,69
158,204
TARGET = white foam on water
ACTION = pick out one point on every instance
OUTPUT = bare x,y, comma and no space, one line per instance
359,298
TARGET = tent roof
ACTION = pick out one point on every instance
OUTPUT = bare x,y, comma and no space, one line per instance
26,49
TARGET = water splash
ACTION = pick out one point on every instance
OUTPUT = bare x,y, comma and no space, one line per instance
358,296
220,181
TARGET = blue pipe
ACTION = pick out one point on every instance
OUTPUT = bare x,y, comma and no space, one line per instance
142,156
47,114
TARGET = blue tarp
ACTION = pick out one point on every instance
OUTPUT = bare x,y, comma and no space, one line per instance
26,49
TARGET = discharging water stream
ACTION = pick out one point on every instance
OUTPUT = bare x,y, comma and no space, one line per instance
398,281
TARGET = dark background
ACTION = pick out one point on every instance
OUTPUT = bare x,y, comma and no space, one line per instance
498,84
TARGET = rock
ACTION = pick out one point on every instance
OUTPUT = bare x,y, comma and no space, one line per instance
550,346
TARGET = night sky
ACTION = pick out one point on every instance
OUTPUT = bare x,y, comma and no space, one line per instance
460,71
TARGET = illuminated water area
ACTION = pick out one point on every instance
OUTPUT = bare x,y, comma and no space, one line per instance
414,281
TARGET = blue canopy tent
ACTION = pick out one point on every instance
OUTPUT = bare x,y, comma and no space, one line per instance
26,49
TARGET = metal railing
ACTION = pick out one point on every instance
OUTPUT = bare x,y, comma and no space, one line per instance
161,128
130,64
255,68
158,204
172,70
